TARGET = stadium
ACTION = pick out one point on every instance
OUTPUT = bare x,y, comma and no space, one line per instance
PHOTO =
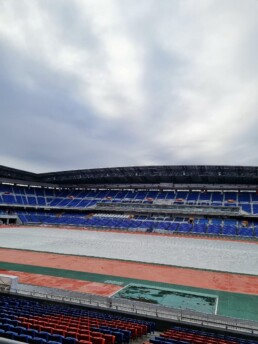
154,254
128,172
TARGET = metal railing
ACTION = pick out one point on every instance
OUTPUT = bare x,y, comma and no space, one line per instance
147,310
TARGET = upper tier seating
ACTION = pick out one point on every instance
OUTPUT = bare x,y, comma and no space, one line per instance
20,195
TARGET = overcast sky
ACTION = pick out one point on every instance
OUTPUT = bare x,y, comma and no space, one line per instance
103,83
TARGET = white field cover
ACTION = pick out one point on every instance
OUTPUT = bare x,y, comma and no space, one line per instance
239,257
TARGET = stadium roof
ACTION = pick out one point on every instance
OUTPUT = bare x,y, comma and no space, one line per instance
138,175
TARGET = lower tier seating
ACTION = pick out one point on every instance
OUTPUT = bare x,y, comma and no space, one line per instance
200,226
185,335
36,322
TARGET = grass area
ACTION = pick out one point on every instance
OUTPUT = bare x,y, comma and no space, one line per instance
175,298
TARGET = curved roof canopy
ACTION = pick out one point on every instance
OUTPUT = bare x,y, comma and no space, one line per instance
140,175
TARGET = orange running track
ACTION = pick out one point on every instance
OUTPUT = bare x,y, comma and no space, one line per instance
222,281
96,288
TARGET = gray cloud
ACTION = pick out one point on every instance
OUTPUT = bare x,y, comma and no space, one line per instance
108,83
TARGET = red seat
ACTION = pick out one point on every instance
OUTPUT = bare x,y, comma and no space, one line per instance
61,327
85,326
86,337
47,329
72,328
96,334
110,339
72,334
97,340
59,331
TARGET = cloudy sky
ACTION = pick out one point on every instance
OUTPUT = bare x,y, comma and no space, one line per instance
102,83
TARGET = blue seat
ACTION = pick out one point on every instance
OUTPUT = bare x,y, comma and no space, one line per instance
9,334
7,327
43,335
56,338
105,331
23,338
247,232
20,329
184,228
229,230
12,322
156,341
119,336
31,332
37,340
199,228
69,340
214,229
